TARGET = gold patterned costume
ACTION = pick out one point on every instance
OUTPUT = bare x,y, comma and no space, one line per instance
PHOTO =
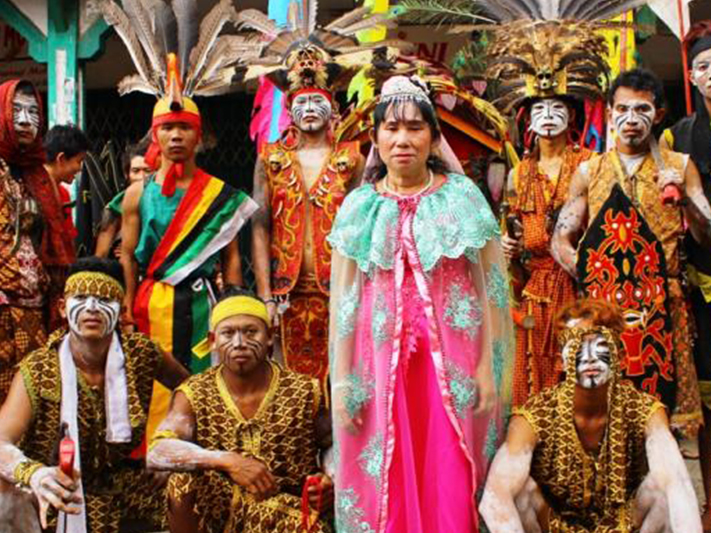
282,434
115,486
590,492
666,224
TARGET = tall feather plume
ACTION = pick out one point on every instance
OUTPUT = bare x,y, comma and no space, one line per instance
136,83
142,25
375,19
229,50
166,28
348,19
121,23
293,18
186,14
210,27
310,16
256,20
439,11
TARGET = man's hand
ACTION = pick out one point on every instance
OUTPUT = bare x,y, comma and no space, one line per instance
251,474
4,169
326,489
670,176
53,487
512,246
273,310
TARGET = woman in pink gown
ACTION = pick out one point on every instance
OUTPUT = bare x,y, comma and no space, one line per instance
421,336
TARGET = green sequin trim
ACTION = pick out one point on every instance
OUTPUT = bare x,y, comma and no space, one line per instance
462,311
349,517
380,323
452,222
371,458
498,362
462,388
360,391
348,311
492,439
497,288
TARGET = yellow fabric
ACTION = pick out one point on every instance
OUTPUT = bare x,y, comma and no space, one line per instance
700,280
669,137
238,305
162,107
211,191
94,284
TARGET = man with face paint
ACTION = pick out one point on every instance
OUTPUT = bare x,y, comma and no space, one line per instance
300,182
692,135
592,454
32,237
97,384
245,435
622,195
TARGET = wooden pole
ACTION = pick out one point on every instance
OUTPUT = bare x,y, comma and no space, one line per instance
684,59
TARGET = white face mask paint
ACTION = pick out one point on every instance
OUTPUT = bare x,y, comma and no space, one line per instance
25,115
633,120
701,73
311,111
108,310
592,362
549,117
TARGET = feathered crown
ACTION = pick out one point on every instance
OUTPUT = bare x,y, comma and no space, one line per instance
175,55
541,48
302,55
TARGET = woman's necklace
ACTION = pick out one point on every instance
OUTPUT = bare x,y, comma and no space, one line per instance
428,184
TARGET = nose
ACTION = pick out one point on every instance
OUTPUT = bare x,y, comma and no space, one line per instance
91,304
237,340
23,117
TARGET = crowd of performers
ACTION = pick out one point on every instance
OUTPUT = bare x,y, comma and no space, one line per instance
424,352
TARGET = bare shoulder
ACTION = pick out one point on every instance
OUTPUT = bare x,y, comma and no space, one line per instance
521,436
133,196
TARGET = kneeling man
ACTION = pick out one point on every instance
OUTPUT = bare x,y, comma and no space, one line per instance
592,454
93,385
249,432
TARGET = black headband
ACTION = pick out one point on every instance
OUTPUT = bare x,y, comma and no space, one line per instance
701,45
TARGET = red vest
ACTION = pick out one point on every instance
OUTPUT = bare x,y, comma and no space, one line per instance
288,198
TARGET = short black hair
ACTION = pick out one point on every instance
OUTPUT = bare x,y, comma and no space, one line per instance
235,290
638,79
25,87
69,140
132,150
110,267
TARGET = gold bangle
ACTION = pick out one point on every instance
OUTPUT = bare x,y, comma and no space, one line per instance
25,470
162,435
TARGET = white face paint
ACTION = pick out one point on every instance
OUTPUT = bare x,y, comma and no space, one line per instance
592,362
25,116
701,73
633,120
549,117
105,310
311,111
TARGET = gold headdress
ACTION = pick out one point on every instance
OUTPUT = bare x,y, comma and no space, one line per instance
541,48
304,56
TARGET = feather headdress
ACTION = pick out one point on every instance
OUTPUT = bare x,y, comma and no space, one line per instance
303,55
175,54
540,48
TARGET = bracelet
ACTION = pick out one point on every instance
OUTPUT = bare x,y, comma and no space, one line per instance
25,470
162,435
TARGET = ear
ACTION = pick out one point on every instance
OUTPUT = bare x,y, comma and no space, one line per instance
61,158
659,116
211,339
690,73
373,136
62,302
608,114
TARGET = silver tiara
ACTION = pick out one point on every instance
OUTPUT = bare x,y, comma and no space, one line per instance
405,89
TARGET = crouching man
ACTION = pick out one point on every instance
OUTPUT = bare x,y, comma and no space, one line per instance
246,435
592,454
93,385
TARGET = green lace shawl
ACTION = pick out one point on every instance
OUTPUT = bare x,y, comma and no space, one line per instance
454,220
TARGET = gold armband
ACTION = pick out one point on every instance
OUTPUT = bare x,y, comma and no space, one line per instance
162,435
25,470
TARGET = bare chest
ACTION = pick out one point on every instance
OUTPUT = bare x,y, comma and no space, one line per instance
312,162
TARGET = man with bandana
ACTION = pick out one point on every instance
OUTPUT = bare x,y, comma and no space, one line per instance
96,384
593,454
300,182
245,435
633,203
33,243
692,135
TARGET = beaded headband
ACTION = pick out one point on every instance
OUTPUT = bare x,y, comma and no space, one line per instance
405,89
94,284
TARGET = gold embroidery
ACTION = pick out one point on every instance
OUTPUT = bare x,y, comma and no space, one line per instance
93,284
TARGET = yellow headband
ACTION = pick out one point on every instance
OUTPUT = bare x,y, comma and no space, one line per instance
229,307
238,305
94,284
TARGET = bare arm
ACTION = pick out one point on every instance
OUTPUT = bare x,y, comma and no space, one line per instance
696,207
570,223
49,484
507,477
107,235
261,227
357,179
171,373
130,233
232,264
669,472
178,454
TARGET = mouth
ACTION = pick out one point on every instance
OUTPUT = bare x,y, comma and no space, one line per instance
92,323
